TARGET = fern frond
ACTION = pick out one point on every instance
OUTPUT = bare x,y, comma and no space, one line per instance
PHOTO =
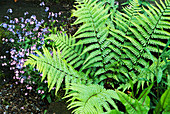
148,32
93,32
55,69
70,52
147,29
123,20
119,35
91,99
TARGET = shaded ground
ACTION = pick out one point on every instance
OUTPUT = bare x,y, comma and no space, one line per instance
33,7
16,99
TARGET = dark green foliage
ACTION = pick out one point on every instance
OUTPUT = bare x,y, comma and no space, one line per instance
163,105
130,47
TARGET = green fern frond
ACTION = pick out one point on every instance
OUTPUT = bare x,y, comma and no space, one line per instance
123,20
93,32
91,99
70,52
91,28
149,31
55,69
147,27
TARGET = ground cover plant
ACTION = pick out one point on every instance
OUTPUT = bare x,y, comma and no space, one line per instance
25,34
127,52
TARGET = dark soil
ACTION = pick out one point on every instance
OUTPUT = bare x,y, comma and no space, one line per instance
15,98
31,6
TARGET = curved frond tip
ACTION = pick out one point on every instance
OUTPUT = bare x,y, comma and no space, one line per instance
91,99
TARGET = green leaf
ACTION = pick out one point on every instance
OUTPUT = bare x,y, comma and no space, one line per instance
159,76
164,102
127,101
43,96
39,88
45,111
151,56
49,98
113,112
145,92
133,106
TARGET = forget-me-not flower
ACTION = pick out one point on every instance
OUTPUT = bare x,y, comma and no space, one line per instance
9,10
46,9
42,4
26,13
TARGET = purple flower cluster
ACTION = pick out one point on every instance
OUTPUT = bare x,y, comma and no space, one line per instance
28,35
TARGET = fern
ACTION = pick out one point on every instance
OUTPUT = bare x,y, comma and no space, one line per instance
55,69
133,106
145,34
123,22
132,44
93,33
91,99
70,52
124,50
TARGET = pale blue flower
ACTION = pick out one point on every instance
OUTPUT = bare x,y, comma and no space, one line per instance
33,17
4,25
46,9
11,21
27,20
11,40
9,10
42,4
56,15
22,19
42,21
6,17
26,13
22,25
